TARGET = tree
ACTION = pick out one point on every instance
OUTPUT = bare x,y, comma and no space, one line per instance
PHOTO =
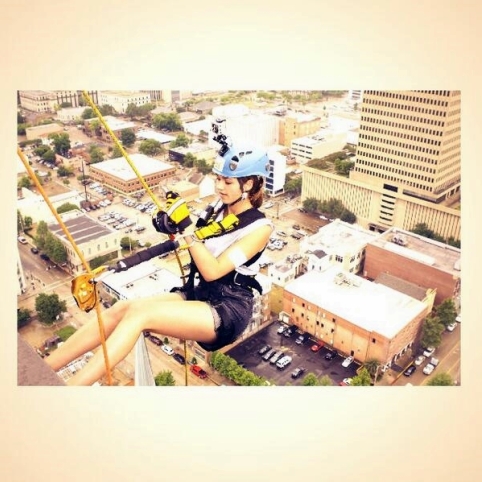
202,166
88,113
96,154
189,160
372,366
310,380
348,217
49,156
116,152
128,137
432,331
363,379
446,312
171,122
61,143
67,207
343,167
107,109
441,380
126,242
423,230
165,379
325,381
21,129
64,171
294,185
311,204
181,141
150,147
48,307
23,317
24,181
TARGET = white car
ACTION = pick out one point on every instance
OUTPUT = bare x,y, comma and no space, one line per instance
419,360
167,349
452,326
22,240
429,351
428,369
268,205
347,362
281,329
347,381
459,319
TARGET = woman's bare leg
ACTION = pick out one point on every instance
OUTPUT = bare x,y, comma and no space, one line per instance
191,320
88,336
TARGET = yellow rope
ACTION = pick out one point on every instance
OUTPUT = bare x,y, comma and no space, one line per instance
142,181
79,254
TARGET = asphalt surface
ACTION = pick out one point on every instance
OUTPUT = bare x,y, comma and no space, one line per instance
246,353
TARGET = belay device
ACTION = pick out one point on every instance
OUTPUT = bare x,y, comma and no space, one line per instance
84,289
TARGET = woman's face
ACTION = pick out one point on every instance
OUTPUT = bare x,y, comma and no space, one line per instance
228,189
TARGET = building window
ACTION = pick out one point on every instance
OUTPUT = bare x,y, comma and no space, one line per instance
373,340
334,320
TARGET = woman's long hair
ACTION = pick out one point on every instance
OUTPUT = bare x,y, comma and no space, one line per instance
255,194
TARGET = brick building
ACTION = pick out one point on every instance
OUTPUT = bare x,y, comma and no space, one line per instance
419,260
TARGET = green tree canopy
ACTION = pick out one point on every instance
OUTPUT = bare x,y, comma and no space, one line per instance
66,207
310,380
165,379
23,317
24,181
61,143
150,147
441,380
432,331
128,137
311,204
116,152
65,171
96,154
294,185
446,312
48,307
170,121
363,379
181,141
88,113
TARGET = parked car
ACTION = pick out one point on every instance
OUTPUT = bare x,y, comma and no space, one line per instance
198,371
179,358
167,349
345,382
34,250
288,332
410,370
452,326
157,341
300,340
316,347
419,360
330,355
269,354
276,356
264,349
283,362
458,319
44,257
297,372
429,351
347,361
22,240
281,329
428,369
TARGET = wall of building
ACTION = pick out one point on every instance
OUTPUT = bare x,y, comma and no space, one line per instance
379,260
366,203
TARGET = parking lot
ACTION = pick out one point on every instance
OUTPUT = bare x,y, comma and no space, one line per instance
246,353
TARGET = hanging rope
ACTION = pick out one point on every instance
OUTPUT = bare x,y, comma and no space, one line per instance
146,187
90,273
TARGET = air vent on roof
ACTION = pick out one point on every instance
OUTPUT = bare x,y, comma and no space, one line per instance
399,239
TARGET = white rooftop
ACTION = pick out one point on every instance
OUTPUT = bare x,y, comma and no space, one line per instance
371,306
115,123
157,136
339,237
119,167
141,281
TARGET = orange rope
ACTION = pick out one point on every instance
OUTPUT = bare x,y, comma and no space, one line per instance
78,252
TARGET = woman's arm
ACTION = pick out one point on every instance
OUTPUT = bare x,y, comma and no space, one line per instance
212,268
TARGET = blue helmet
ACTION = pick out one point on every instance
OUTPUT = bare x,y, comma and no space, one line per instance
241,162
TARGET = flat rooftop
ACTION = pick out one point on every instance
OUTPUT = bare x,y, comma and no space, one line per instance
338,236
120,168
115,124
424,250
82,228
371,306
157,136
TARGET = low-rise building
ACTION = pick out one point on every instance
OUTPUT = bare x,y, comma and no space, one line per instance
120,99
37,132
118,175
419,260
318,145
354,316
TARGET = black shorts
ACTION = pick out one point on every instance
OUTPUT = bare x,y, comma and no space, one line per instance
232,307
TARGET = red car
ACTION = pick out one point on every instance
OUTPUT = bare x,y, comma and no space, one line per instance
198,371
317,347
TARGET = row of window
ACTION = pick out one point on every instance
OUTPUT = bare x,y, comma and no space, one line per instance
395,179
403,145
408,96
397,125
397,115
411,108
387,163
